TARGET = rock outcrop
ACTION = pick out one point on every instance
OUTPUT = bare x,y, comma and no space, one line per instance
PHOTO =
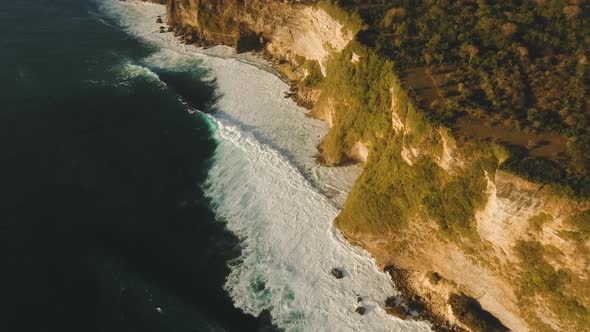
337,273
293,35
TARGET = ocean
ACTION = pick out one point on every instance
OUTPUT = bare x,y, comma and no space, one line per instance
151,186
104,217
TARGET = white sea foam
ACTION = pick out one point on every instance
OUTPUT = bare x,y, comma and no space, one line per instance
264,184
290,245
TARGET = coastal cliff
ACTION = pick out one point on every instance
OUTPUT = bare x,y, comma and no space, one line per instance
443,209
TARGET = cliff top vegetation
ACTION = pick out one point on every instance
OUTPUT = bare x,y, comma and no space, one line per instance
511,72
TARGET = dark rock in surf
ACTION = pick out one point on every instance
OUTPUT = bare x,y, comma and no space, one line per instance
190,38
159,20
360,310
390,302
398,311
339,274
416,304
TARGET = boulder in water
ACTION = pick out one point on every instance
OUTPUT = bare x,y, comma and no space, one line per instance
339,274
360,310
159,20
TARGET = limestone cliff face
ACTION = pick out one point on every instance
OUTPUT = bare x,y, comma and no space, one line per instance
423,203
290,31
518,255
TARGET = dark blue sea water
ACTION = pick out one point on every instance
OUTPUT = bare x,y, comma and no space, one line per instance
103,222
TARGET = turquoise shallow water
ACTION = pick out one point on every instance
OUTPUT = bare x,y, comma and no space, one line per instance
103,222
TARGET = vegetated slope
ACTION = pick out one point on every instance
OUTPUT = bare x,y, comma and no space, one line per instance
432,199
519,69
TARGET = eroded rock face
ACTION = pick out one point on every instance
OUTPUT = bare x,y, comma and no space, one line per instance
360,152
286,29
507,218
290,33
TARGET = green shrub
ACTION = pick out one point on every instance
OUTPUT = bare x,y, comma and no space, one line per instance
500,152
363,100
564,293
314,76
549,172
536,169
349,20
453,204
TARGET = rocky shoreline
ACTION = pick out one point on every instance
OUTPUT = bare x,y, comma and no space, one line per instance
398,306
469,256
409,304
413,300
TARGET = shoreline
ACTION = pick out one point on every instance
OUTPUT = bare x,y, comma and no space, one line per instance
399,277
401,218
286,73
